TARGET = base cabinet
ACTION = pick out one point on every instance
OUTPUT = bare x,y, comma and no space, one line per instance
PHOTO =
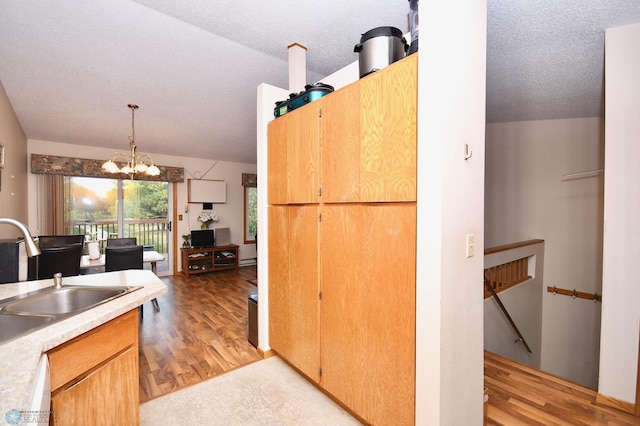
367,315
94,377
293,286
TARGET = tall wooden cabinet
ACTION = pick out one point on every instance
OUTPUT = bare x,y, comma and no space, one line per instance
342,236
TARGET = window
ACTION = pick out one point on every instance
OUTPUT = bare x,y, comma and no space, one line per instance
109,208
250,214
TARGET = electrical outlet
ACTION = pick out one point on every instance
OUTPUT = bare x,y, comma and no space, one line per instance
471,242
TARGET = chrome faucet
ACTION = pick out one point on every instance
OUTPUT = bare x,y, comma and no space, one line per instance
29,244
57,280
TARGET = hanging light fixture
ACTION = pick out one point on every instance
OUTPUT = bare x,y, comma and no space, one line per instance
133,162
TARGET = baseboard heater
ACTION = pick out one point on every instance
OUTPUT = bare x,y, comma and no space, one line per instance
248,261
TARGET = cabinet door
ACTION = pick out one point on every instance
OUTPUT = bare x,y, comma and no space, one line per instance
293,157
293,286
303,132
340,145
102,397
368,309
388,107
277,160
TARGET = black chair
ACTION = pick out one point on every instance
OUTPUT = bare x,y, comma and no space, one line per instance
125,257
121,258
49,241
122,242
65,260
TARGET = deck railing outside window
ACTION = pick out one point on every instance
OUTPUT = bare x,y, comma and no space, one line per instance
149,232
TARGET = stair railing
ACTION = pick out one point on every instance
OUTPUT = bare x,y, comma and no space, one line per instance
506,313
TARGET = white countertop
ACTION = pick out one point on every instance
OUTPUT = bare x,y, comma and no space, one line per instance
19,357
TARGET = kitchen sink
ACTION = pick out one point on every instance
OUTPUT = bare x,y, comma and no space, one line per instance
15,325
64,300
36,309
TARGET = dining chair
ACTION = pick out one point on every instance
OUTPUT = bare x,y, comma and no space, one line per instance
119,258
49,241
122,242
65,260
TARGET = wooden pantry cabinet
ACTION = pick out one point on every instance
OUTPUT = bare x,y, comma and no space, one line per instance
94,377
342,236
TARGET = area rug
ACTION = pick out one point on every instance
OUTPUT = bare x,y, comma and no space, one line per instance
266,392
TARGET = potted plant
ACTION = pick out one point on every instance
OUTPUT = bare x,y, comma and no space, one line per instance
206,218
186,238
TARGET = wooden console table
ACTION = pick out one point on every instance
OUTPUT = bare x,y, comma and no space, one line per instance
201,260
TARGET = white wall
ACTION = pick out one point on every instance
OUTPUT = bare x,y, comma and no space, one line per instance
449,293
621,291
526,198
13,176
231,212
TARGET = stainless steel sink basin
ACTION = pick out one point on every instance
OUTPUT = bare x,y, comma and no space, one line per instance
16,325
36,309
64,300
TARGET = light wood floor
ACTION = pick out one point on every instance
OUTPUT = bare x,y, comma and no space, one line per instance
520,395
200,332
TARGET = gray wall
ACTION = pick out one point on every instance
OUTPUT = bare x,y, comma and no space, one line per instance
13,176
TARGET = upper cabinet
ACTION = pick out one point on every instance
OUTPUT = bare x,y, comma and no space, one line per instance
293,157
357,144
369,138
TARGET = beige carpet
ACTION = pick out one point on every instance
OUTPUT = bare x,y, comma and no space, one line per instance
267,392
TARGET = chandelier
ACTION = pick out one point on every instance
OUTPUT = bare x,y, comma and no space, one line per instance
133,162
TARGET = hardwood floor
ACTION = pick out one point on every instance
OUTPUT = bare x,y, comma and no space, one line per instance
199,333
520,395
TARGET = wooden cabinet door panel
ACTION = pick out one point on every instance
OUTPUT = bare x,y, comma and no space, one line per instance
368,309
277,161
303,164
340,145
388,107
304,287
102,397
280,332
293,286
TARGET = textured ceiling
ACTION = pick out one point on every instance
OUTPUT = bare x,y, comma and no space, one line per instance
70,67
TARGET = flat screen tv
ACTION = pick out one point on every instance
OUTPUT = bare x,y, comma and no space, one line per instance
202,238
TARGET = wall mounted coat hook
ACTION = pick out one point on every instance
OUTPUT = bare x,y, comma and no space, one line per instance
467,152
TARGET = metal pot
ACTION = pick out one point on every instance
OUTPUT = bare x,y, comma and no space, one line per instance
378,48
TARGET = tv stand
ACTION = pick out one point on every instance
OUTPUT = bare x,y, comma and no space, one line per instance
208,259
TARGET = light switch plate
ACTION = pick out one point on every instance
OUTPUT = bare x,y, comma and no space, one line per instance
471,241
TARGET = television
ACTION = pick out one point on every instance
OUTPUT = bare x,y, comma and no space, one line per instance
202,238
